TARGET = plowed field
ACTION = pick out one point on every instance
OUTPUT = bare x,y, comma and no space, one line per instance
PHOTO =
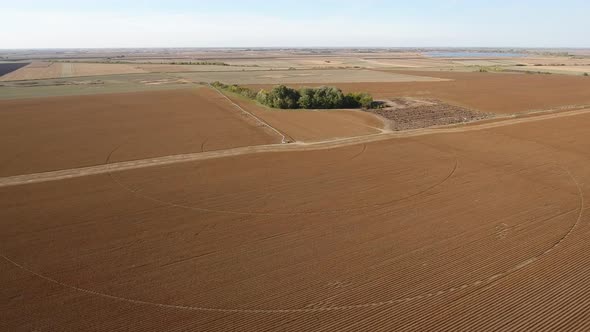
43,70
44,134
475,230
492,92
487,92
309,126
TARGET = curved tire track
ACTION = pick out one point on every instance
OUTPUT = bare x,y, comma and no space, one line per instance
254,213
489,281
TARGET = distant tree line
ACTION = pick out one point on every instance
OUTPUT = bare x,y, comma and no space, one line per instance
199,63
324,97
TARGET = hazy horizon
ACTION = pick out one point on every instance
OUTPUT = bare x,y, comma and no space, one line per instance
66,24
409,48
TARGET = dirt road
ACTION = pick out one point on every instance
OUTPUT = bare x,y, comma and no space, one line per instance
321,145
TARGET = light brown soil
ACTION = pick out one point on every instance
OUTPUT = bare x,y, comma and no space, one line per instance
480,230
96,69
486,92
309,126
321,76
35,70
45,134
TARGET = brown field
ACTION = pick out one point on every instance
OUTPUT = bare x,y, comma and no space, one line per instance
139,125
575,70
44,134
474,230
35,70
169,68
309,126
305,76
177,208
556,61
44,70
486,92
417,62
96,69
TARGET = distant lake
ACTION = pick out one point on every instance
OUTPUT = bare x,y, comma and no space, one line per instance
463,54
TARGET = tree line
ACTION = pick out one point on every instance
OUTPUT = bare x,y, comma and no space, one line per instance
324,97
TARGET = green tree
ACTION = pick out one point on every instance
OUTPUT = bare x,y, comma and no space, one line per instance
327,97
307,98
262,97
365,100
360,99
283,97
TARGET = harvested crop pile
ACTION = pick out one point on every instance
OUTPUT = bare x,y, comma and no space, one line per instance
412,113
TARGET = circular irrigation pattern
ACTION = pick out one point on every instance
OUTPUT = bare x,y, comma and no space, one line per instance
426,295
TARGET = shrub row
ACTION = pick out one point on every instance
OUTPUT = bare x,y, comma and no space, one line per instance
235,89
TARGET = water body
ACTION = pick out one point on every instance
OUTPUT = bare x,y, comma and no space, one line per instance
474,54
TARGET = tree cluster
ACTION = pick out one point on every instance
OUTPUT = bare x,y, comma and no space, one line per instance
281,96
324,97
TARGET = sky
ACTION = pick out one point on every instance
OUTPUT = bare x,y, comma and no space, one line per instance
303,23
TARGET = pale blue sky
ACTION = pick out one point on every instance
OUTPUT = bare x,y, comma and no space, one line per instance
303,23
